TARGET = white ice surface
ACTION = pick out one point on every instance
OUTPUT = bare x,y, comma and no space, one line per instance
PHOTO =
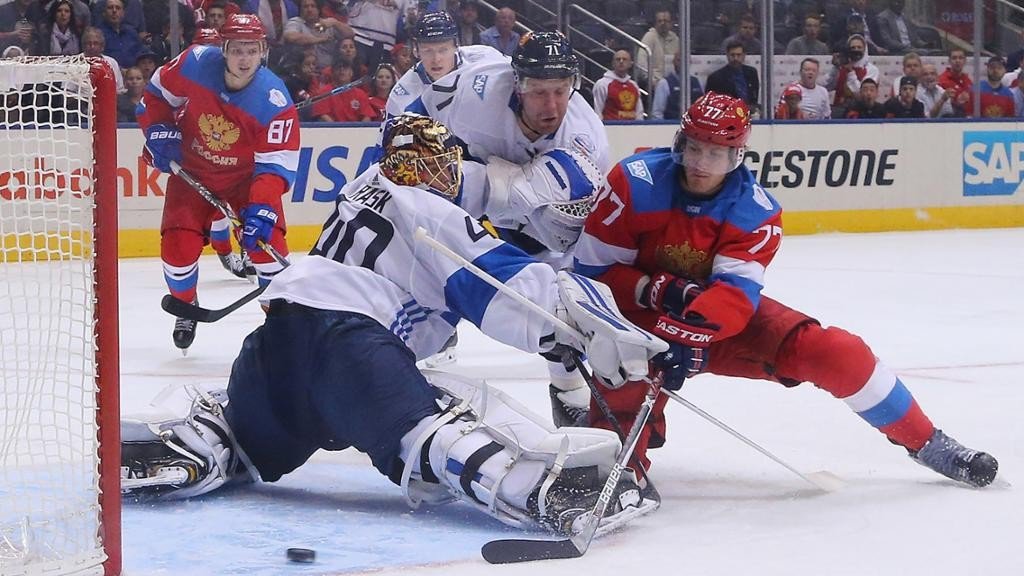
942,308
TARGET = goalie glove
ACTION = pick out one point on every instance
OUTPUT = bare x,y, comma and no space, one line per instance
617,349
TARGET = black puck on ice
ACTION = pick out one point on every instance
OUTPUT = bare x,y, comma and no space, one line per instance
303,555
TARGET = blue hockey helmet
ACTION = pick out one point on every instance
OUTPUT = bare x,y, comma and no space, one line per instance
545,55
437,27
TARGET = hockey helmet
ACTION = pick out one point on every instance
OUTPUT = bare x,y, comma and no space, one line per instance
243,27
207,37
545,55
420,152
437,27
715,119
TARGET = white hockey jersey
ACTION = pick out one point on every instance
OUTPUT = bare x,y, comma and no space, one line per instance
478,103
415,80
368,261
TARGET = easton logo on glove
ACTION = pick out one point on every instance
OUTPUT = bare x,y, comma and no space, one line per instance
682,333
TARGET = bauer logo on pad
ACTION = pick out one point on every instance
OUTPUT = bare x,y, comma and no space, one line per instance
993,163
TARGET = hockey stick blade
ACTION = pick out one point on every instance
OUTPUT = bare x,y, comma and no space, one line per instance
512,550
182,309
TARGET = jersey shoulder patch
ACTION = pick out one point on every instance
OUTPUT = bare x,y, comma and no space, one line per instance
638,169
480,85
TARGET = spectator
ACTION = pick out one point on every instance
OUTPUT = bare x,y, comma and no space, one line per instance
401,58
855,18
1018,96
996,99
663,43
274,14
383,81
59,34
502,36
616,95
322,34
348,50
122,40
147,62
135,85
896,32
158,26
735,78
789,108
905,104
1014,58
746,35
850,69
349,106
81,14
215,15
16,26
813,97
666,94
132,14
912,66
467,20
866,105
809,42
297,68
93,45
954,78
936,99
375,23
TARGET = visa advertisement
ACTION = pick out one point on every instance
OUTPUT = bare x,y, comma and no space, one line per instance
829,177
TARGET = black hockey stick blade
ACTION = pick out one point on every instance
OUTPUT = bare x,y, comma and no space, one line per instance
512,550
189,311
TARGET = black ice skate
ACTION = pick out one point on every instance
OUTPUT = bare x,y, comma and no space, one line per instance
563,414
573,495
239,265
954,460
184,332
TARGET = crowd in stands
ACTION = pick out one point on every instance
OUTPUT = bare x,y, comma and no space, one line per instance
317,45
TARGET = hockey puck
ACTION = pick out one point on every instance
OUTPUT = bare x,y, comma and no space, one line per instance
303,555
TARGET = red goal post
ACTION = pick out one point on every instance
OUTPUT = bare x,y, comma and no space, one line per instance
60,503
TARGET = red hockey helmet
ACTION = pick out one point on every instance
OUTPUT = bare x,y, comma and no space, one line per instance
715,119
243,27
207,37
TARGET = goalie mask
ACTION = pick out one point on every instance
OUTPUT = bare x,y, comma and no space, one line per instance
422,153
548,198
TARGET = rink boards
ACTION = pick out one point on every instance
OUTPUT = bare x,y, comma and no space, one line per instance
830,177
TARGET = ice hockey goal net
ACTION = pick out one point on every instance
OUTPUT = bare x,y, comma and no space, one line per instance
59,436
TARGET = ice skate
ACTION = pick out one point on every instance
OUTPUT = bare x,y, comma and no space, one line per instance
569,410
184,333
238,265
568,502
953,460
445,356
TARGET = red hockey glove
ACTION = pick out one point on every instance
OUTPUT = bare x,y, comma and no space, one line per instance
688,339
669,294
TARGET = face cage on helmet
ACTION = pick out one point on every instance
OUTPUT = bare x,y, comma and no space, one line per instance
679,144
441,173
559,224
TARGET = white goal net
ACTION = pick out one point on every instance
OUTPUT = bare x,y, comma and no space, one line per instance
53,294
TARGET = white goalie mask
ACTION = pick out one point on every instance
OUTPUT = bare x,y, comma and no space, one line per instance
548,198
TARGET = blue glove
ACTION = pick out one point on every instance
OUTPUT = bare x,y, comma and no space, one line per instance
259,222
163,142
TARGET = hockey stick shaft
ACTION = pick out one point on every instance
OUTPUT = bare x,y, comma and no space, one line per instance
190,311
334,92
423,236
224,209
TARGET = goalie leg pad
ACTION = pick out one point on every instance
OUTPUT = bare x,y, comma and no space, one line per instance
494,453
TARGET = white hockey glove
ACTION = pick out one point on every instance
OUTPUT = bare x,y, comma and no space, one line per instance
617,349
548,198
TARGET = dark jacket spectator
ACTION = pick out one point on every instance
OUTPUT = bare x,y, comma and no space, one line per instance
122,41
735,78
16,25
468,21
905,104
59,33
896,32
133,14
866,105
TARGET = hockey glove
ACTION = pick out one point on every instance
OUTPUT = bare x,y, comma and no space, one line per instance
617,349
260,220
669,294
163,144
688,340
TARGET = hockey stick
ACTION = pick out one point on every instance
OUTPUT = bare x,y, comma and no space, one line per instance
334,92
190,311
824,480
224,209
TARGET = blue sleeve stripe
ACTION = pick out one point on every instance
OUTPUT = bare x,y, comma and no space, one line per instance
183,284
470,296
750,289
277,169
558,177
894,407
589,270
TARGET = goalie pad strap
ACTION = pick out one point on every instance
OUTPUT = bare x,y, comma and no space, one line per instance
426,472
471,469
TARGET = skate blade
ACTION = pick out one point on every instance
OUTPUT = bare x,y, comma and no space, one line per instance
612,523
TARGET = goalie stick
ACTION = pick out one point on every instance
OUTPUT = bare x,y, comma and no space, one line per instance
334,92
822,480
